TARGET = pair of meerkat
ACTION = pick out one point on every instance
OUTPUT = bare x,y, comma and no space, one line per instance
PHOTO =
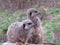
19,32
27,31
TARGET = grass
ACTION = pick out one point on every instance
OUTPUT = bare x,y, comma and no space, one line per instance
58,44
54,11
0,43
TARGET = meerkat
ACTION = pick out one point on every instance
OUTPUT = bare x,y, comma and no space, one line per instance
28,29
32,14
19,32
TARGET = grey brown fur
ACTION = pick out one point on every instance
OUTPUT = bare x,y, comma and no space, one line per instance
37,37
18,32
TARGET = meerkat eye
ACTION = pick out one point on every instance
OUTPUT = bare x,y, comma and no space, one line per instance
29,23
23,25
35,11
30,13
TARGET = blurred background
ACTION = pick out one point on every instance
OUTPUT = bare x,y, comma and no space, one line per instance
15,10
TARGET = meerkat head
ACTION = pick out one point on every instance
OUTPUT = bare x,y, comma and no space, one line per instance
27,24
32,12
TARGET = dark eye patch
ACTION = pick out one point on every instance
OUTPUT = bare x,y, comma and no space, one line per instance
35,11
29,23
23,25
